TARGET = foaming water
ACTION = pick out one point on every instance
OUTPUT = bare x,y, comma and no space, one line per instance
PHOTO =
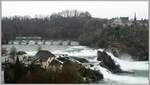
91,55
120,79
130,65
83,53
125,65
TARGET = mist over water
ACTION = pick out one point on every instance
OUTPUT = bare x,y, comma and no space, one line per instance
140,68
126,57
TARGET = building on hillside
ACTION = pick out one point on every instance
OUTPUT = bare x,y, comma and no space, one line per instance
122,21
144,22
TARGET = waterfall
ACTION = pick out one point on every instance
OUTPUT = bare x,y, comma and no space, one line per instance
91,55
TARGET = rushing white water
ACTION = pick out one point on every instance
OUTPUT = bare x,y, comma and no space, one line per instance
131,65
121,79
108,76
139,67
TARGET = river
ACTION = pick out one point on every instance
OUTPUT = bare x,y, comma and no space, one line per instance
140,68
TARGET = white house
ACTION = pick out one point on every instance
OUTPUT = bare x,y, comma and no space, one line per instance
121,21
44,57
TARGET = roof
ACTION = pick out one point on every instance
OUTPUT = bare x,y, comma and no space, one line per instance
44,55
56,62
21,53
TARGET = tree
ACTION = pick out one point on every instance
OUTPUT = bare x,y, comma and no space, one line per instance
13,52
85,15
18,71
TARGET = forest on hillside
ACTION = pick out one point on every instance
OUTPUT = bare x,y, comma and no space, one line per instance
82,27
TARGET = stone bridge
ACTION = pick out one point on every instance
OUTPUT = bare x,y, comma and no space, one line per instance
43,42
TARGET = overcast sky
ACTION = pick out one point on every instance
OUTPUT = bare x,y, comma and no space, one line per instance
101,9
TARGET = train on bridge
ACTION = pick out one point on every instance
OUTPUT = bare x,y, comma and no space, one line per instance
36,40
43,42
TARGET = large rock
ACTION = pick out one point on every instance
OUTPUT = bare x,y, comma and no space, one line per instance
91,75
82,60
115,51
108,62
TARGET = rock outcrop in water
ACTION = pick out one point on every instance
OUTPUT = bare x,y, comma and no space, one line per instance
88,74
108,63
91,75
82,60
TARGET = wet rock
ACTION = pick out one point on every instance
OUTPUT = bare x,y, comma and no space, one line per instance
82,60
63,59
91,75
108,63
91,65
88,74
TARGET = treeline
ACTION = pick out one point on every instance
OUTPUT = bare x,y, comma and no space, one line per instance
82,27
132,40
62,25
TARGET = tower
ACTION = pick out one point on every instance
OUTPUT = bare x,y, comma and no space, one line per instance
134,17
